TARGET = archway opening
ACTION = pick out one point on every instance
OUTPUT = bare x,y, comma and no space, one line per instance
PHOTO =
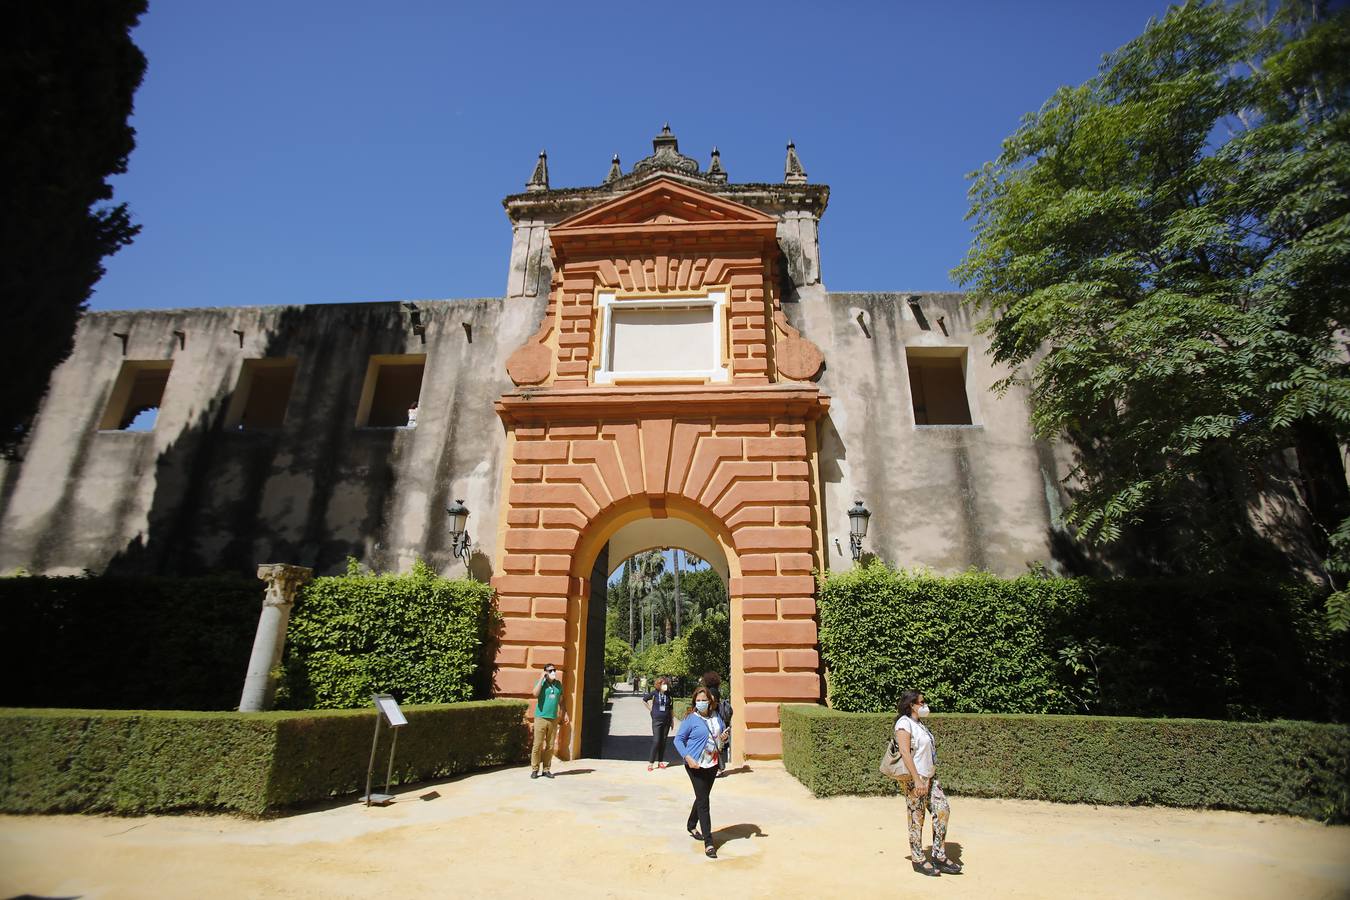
667,614
627,530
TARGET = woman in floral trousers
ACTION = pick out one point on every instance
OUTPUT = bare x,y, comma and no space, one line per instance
922,789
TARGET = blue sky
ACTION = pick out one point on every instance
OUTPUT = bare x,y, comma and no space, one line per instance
308,152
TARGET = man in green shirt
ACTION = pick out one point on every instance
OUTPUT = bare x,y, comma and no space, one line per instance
548,703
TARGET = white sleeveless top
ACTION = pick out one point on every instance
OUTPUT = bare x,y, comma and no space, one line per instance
921,745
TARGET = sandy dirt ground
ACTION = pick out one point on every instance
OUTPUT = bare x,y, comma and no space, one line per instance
609,828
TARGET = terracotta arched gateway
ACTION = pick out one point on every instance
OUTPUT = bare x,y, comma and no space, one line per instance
600,435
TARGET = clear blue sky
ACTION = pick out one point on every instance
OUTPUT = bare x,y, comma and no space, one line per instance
307,152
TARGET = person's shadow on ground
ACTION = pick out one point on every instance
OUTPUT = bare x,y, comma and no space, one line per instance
953,850
729,833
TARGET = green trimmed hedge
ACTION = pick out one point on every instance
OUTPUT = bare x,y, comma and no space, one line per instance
135,762
419,636
1298,768
1212,648
127,642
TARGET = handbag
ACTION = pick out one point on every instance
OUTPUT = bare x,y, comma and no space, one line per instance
892,763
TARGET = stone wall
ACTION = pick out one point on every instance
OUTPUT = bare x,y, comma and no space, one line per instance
195,494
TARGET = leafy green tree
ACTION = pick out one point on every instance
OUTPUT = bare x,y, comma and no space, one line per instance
618,657
708,646
1163,255
706,594
68,72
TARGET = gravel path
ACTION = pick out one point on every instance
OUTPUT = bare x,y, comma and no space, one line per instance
610,828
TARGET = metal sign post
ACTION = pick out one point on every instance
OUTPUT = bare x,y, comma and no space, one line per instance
386,710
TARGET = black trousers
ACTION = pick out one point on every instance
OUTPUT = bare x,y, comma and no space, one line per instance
701,813
660,731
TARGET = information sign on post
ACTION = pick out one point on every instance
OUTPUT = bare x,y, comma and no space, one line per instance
386,710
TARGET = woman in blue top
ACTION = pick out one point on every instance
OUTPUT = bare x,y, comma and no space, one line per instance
700,742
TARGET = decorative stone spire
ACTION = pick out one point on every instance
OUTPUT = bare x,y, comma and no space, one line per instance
793,173
615,171
715,170
539,180
666,156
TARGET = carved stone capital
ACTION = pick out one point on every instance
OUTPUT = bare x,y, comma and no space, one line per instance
283,581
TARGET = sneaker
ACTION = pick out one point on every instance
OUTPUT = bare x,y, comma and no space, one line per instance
710,851
650,767
548,774
534,774
663,763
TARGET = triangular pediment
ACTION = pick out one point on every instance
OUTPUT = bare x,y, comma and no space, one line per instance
664,202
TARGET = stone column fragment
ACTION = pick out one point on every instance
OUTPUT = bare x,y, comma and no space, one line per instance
283,582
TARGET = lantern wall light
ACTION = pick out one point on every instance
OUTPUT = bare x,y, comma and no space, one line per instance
459,531
857,527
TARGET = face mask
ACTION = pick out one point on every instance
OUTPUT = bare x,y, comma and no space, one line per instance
923,711
701,706
663,688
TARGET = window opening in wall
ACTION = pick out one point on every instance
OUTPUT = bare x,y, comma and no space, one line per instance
262,394
392,391
670,338
937,385
136,395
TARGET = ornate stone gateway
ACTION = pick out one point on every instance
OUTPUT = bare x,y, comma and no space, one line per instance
664,382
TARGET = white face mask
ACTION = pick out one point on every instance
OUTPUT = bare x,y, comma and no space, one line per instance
923,711
701,706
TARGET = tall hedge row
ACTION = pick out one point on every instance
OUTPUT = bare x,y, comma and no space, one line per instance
1298,768
184,643
134,762
127,642
418,636
1205,648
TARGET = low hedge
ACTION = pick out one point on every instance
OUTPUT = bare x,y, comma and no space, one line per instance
136,762
1298,768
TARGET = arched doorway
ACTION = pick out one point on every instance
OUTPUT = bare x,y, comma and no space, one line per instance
619,536
746,484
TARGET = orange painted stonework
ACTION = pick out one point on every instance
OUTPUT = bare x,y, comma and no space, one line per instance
736,459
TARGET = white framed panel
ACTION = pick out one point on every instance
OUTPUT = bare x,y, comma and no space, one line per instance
662,338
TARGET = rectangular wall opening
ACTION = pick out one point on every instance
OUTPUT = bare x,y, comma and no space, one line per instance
136,395
937,385
262,394
392,391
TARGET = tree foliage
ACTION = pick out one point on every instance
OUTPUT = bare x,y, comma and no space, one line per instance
68,72
1163,255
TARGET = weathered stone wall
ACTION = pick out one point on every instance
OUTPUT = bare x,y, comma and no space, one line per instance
944,496
194,495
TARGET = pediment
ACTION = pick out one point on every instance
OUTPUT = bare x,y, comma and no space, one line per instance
664,202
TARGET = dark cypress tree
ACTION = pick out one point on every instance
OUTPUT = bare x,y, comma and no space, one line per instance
68,73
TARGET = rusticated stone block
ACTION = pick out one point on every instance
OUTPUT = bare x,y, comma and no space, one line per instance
761,660
780,686
763,743
759,713
796,632
534,631
800,659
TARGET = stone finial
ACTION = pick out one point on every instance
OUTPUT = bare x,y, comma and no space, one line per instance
793,173
715,170
539,180
615,171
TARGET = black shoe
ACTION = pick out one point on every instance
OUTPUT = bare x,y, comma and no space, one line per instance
534,774
946,866
710,851
924,868
695,835
548,774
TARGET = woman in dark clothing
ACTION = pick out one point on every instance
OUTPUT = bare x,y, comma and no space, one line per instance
658,701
